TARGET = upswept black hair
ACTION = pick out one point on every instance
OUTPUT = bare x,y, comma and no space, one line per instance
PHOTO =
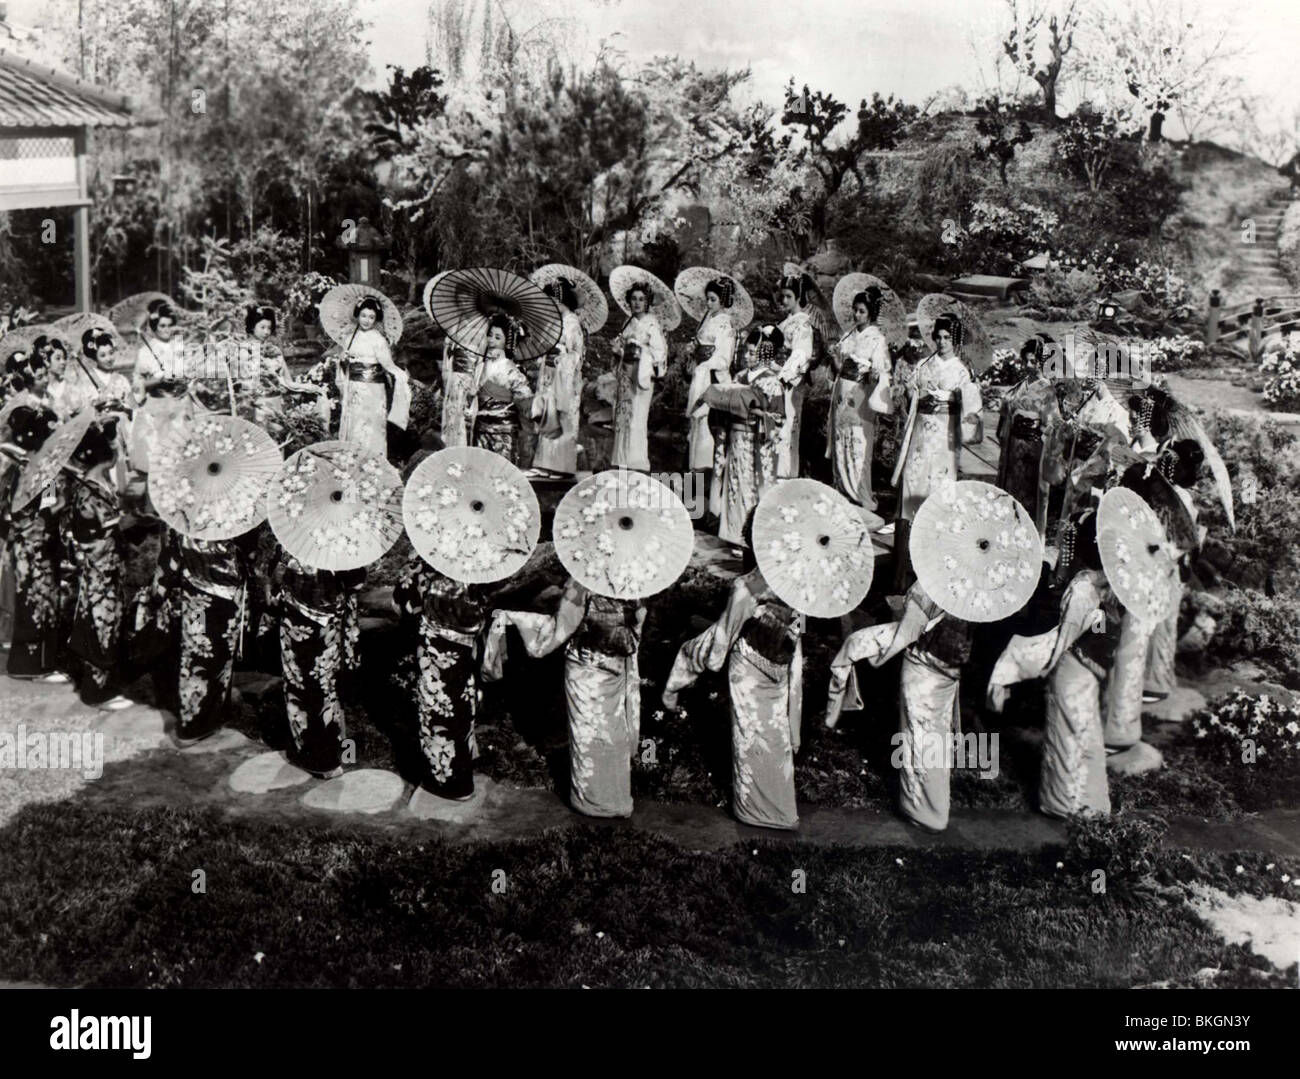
98,444
802,286
950,322
159,310
369,303
769,339
31,426
258,313
561,290
93,340
724,288
873,299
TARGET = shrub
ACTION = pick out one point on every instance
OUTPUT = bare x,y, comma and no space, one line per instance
303,295
1264,629
1124,846
1288,243
1273,726
1281,371
1008,368
1073,288
996,239
1176,353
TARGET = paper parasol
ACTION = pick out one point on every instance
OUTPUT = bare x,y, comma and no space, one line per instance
1146,480
1135,555
689,290
71,328
129,315
336,308
428,290
593,311
463,301
813,548
46,463
663,304
1184,423
209,478
333,506
976,551
471,514
977,348
893,315
623,535
21,338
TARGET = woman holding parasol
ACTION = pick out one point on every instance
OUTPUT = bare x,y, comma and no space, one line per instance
160,382
750,413
460,395
374,390
112,388
503,396
622,536
264,373
1030,436
557,406
942,395
796,294
642,351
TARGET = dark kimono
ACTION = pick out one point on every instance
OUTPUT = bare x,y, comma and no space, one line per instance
39,599
320,631
212,577
503,393
92,544
450,617
1032,459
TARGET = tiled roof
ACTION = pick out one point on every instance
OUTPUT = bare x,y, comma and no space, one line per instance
36,96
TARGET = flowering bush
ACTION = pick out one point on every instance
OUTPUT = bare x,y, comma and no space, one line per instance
1281,372
1238,727
1176,353
1007,369
1116,271
997,239
302,297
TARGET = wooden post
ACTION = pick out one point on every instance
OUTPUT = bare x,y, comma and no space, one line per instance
1257,330
81,227
1212,319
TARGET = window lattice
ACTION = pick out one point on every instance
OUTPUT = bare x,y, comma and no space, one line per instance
37,161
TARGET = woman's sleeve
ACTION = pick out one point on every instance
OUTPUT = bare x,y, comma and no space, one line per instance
518,383
801,350
1027,658
863,644
971,401
542,633
647,359
709,651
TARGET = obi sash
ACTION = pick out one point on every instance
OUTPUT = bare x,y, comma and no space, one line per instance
856,372
173,388
365,372
949,642
1096,651
929,405
609,628
773,634
1027,427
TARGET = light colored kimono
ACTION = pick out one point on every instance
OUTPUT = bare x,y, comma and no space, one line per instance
797,331
716,333
1101,408
460,403
750,451
929,709
633,389
158,411
1073,779
366,411
602,693
931,453
766,701
851,421
1160,674
558,401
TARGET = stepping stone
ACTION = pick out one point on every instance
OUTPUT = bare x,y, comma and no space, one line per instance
1178,706
138,724
224,740
1135,760
428,806
266,772
366,790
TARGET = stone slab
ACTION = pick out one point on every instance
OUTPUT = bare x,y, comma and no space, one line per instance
266,772
1177,707
365,790
1135,760
223,741
428,806
140,724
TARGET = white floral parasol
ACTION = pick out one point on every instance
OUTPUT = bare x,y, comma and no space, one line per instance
593,311
337,305
893,315
623,535
209,479
471,514
129,315
47,462
689,290
334,506
1135,555
21,338
663,304
976,551
813,548
977,348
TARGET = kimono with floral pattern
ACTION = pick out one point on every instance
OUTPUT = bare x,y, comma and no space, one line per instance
213,578
41,590
503,394
797,330
364,378
320,635
766,689
1076,658
933,439
750,459
602,688
715,347
450,615
1032,458
559,399
92,528
633,388
851,438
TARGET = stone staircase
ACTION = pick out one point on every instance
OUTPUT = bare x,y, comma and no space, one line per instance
1267,278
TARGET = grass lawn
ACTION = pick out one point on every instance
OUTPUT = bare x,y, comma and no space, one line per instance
104,898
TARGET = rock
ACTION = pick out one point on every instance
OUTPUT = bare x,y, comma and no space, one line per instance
141,725
1135,760
365,790
223,740
1198,636
266,772
1178,706
428,806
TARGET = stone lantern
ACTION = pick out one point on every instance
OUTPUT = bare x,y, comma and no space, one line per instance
365,246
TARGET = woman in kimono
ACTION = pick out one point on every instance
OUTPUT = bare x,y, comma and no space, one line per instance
320,631
751,411
1076,658
94,513
861,391
559,388
70,395
942,394
460,378
797,332
112,388
644,352
758,640
715,348
450,618
160,383
34,550
935,647
374,390
263,374
1030,429
503,395
602,688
